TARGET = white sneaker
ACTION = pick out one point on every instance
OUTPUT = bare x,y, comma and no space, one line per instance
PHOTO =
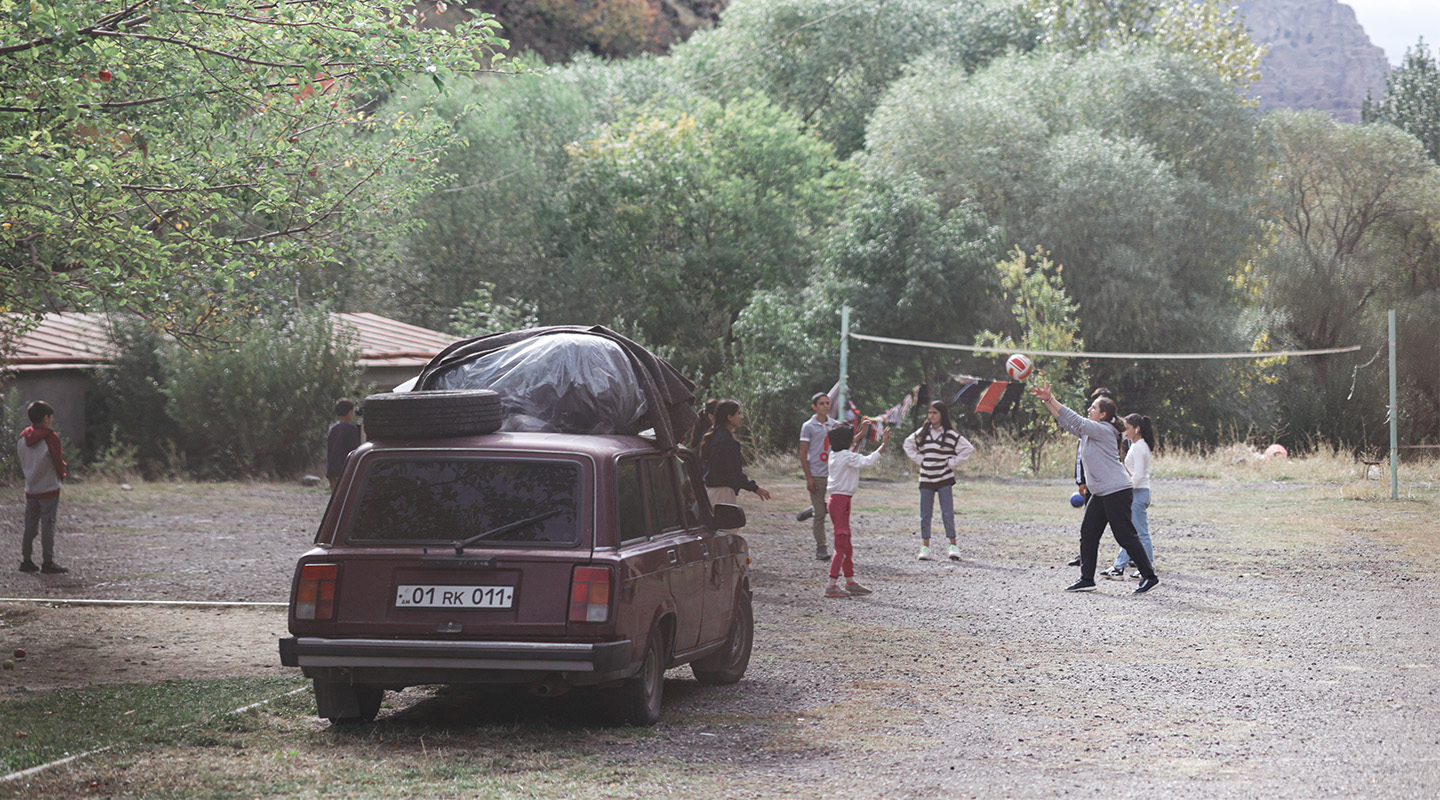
925,555
953,553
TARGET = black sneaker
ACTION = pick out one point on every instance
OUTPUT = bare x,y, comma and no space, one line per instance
806,514
1081,585
28,566
1113,574
1146,584
1074,562
51,568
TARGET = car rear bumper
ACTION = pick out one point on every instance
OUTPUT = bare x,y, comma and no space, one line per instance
480,662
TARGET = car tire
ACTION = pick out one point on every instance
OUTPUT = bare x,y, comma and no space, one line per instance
727,665
637,701
431,415
344,702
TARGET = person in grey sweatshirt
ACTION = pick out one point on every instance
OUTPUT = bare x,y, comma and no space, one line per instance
1109,483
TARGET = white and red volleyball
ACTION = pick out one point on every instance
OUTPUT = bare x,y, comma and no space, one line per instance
1019,366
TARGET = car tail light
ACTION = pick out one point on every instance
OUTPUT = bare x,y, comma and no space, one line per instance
315,596
590,594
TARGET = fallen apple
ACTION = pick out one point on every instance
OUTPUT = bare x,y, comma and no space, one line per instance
7,664
19,653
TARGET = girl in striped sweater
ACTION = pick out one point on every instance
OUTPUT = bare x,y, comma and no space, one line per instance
938,448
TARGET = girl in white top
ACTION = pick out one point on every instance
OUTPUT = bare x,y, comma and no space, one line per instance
844,479
1141,433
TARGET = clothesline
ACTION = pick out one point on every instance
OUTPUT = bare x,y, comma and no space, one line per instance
1125,356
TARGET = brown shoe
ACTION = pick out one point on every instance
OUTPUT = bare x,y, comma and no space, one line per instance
854,588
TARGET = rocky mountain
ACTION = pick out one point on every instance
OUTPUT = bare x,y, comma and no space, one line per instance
1320,57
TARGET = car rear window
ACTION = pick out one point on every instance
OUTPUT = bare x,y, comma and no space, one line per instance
422,500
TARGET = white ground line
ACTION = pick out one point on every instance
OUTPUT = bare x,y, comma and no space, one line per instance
70,601
66,760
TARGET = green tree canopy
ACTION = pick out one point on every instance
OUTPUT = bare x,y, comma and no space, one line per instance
1208,30
1412,99
676,219
830,61
1133,169
167,158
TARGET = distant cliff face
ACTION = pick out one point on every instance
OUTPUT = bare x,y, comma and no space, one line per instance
1319,57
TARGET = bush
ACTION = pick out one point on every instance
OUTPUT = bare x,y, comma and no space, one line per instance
259,407
132,402
11,423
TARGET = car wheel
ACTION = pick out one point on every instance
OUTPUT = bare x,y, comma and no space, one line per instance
637,701
344,702
429,415
727,665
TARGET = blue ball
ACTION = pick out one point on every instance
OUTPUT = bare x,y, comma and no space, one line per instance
1077,499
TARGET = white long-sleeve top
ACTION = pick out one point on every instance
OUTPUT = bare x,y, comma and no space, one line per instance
845,470
1137,461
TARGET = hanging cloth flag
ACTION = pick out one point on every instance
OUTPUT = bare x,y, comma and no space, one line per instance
989,397
896,415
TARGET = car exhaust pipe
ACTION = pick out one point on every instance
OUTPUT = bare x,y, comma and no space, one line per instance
552,686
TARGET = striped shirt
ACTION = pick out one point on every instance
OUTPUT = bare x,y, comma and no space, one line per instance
937,453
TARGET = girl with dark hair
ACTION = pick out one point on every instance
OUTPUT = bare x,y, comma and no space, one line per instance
1141,433
938,448
720,453
1111,494
703,424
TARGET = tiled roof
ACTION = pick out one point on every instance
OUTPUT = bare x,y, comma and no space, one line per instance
384,342
64,340
77,340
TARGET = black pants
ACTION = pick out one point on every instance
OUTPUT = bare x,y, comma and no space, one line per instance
1114,510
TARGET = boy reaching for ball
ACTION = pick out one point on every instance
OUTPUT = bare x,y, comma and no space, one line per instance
844,479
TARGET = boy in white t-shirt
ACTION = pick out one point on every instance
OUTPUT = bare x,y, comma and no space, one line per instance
844,479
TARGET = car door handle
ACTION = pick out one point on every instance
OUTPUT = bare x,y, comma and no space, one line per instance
674,558
705,550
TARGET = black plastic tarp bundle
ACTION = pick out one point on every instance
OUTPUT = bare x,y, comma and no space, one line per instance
570,379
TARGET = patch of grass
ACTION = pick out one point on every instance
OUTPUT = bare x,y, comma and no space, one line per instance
71,721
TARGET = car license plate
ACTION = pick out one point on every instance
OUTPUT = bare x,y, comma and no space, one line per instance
425,596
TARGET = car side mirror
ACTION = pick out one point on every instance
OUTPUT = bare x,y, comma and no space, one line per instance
728,517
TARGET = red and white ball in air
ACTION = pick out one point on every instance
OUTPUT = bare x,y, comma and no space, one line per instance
1019,366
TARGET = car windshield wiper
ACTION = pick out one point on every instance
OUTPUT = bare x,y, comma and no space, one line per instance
460,545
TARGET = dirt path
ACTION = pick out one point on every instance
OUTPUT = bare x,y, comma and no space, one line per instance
1289,652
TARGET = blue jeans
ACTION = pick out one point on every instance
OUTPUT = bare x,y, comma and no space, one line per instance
1140,516
947,510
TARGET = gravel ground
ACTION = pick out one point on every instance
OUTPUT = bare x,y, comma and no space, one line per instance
1283,667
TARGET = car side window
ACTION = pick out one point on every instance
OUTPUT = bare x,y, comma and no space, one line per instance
631,501
690,498
663,495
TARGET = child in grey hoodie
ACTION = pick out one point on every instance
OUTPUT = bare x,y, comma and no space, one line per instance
39,449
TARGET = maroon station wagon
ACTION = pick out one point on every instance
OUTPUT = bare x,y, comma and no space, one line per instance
543,560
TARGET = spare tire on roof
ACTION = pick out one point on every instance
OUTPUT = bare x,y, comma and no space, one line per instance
433,414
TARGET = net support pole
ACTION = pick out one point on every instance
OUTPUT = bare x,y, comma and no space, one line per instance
839,411
1394,420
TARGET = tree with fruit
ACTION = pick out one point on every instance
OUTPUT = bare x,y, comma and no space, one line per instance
184,160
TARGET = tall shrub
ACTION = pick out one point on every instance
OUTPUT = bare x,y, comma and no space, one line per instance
132,401
259,406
